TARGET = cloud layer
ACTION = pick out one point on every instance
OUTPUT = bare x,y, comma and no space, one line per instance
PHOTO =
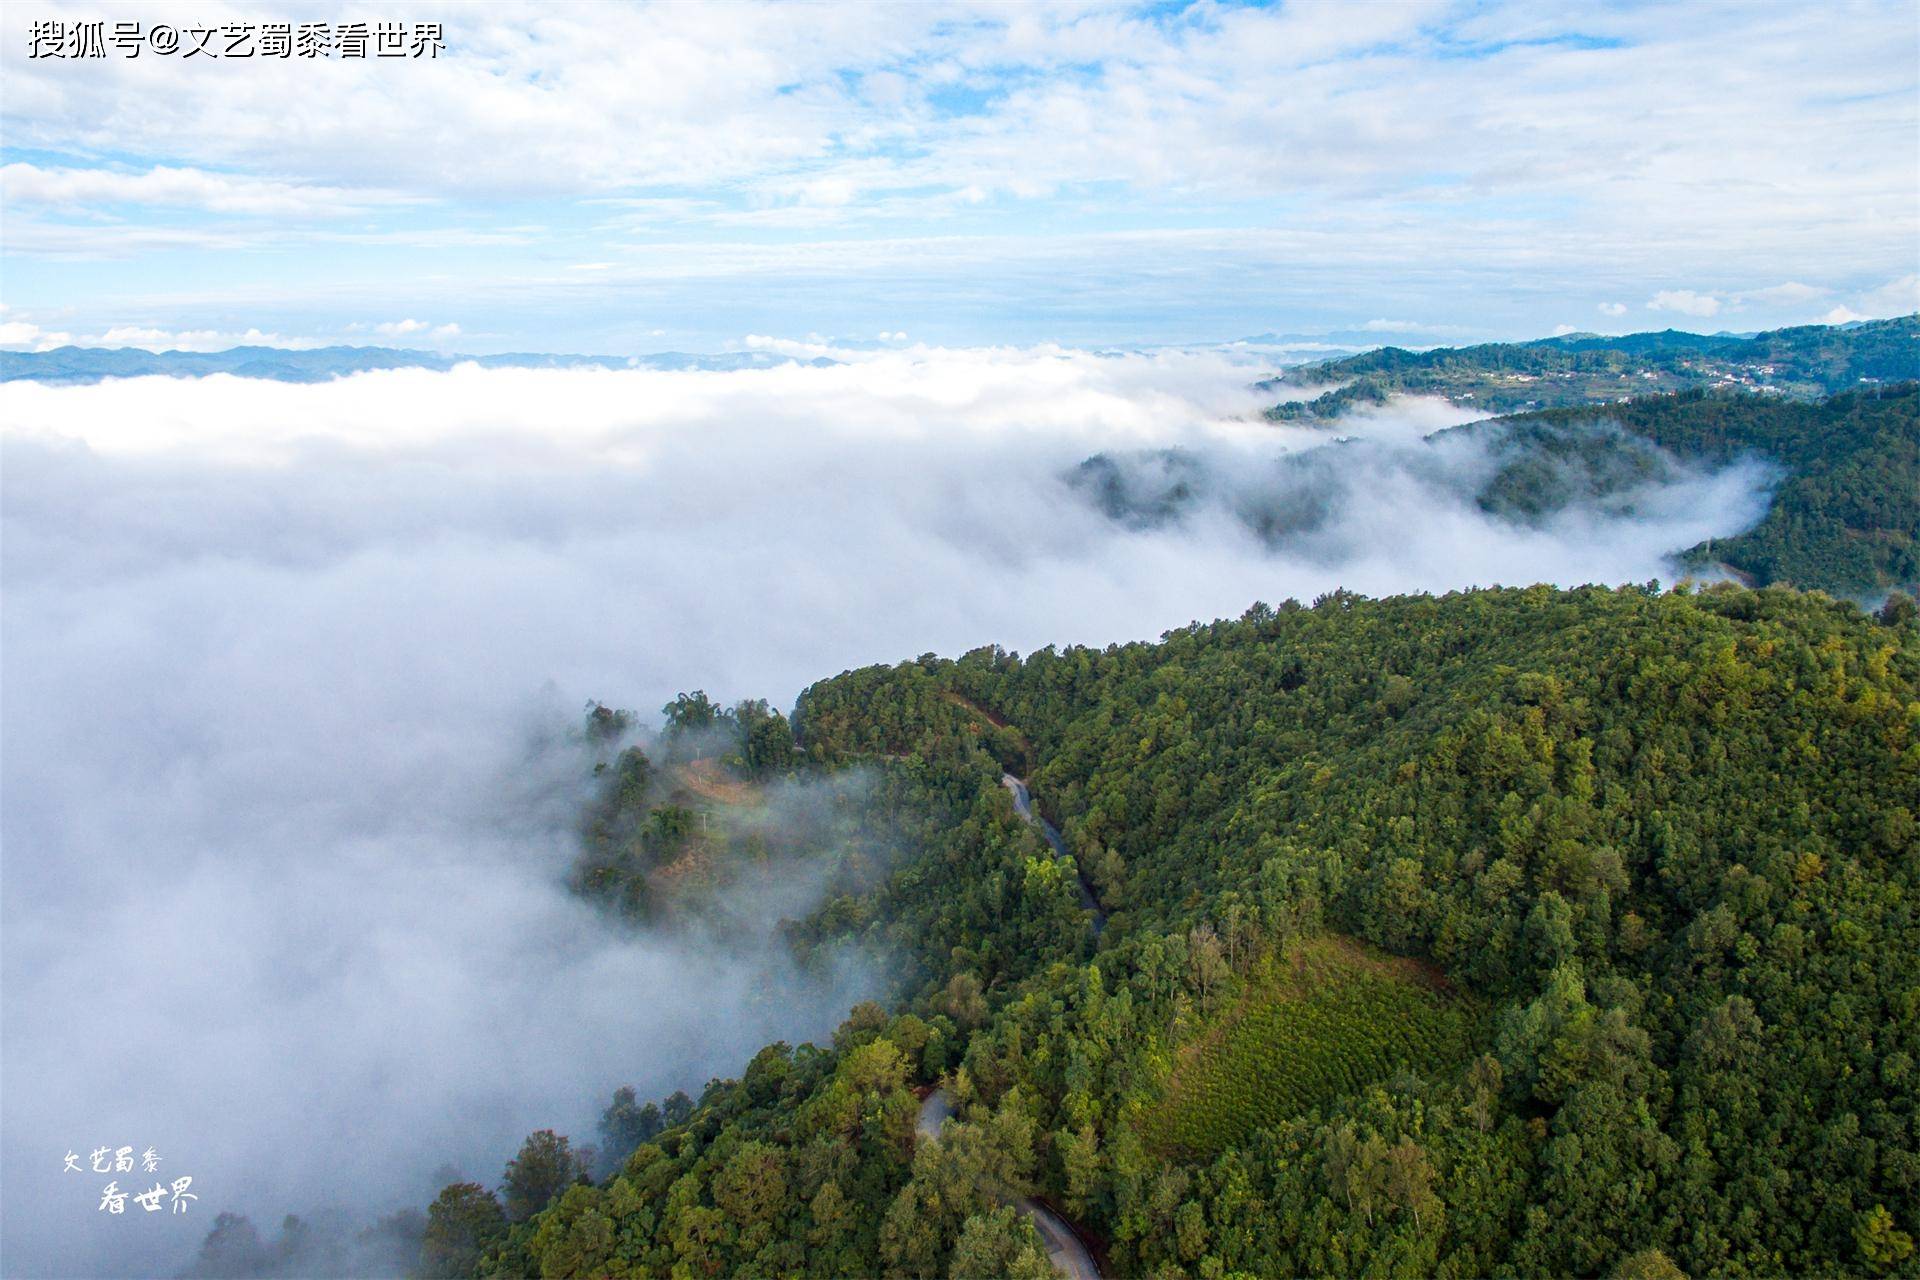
1562,156
283,842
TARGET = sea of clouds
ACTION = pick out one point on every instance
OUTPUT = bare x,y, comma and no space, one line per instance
287,670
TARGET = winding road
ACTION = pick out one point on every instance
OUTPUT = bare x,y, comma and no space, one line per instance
1065,1249
1023,804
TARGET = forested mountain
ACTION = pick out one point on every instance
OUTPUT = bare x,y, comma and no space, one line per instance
1581,369
1510,932
1845,516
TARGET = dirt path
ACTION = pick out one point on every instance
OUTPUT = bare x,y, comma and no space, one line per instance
707,780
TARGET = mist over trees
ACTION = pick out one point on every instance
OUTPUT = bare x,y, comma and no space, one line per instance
1843,517
1843,471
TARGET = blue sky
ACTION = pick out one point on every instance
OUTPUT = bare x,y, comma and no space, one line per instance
619,178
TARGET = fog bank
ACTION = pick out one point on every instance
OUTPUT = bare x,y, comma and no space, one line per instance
287,670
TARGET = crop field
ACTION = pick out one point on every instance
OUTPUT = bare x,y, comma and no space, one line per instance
1329,1019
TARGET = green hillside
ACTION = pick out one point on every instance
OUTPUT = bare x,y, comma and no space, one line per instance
1666,842
1325,1020
1845,515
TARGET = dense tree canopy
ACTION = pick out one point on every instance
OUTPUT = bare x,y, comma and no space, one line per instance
1845,515
1661,848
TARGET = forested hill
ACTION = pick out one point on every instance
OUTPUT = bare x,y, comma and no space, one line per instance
1511,932
1845,515
1579,369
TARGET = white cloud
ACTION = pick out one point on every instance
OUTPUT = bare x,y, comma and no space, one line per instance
1613,308
417,329
1561,330
21,334
163,185
1685,301
153,339
25,335
1896,297
1788,294
1432,138
829,110
95,240
1391,326
813,345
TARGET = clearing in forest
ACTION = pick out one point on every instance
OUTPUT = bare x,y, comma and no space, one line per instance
1328,1019
706,779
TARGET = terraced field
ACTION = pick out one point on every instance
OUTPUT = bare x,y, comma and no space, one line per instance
1329,1019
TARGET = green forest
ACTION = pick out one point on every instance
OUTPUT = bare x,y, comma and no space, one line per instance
1845,515
1519,931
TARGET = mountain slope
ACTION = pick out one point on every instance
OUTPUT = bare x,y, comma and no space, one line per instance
1845,516
1667,841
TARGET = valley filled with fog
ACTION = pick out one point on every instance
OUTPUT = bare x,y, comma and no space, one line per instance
290,674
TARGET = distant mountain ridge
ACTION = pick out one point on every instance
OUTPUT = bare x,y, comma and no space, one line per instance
1806,362
77,365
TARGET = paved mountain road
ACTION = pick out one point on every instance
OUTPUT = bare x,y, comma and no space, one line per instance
1023,804
1068,1253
